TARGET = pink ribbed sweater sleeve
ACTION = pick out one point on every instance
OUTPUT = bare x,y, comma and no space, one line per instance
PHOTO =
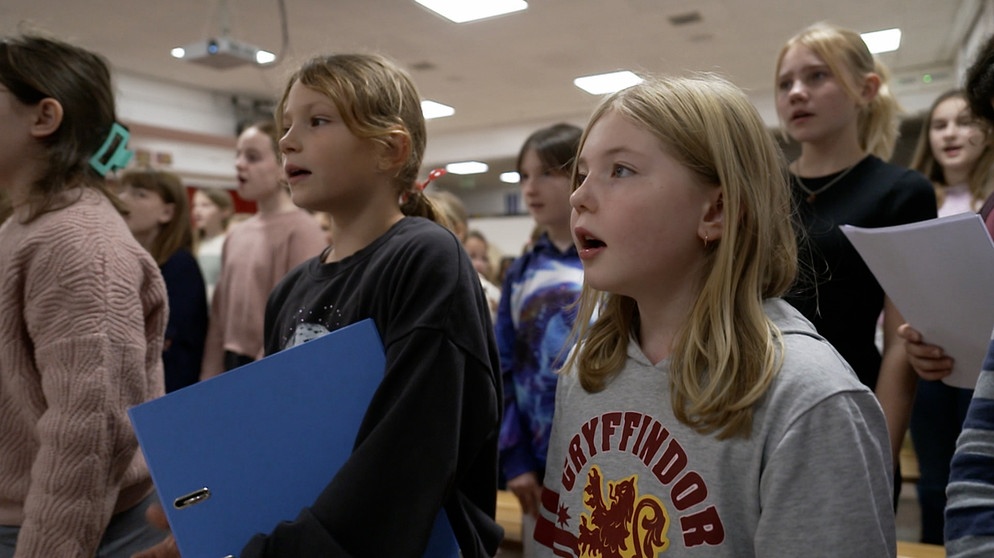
91,311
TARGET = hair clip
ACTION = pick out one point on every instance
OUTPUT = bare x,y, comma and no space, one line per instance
114,153
420,187
433,175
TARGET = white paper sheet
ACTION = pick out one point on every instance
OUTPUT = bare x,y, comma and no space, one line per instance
940,275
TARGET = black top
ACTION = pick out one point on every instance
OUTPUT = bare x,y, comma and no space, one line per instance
429,437
835,289
186,331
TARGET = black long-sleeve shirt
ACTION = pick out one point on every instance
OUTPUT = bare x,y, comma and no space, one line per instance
429,438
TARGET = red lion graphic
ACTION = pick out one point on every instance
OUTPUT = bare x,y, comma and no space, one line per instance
608,530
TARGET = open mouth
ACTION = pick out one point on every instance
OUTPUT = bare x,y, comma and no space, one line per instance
294,172
589,242
799,115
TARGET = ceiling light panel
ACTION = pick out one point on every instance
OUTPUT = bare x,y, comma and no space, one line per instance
510,177
607,83
887,40
430,109
467,167
462,11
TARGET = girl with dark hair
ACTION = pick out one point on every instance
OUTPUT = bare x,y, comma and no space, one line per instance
82,314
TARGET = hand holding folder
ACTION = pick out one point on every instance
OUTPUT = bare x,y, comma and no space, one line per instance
235,455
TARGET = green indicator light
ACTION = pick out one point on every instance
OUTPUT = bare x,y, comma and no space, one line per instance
927,78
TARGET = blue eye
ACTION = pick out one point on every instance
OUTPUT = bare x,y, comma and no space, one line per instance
621,171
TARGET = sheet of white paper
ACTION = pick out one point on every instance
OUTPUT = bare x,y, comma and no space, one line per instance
940,275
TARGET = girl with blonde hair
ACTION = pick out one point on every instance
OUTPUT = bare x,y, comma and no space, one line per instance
833,99
698,410
212,211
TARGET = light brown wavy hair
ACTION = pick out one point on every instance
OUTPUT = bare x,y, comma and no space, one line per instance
981,178
376,99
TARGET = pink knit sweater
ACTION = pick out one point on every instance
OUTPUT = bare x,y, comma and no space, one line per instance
82,317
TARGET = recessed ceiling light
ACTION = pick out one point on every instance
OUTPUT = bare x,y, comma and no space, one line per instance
461,11
511,177
431,109
882,41
467,167
607,83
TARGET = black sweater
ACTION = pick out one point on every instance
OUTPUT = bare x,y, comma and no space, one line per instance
429,437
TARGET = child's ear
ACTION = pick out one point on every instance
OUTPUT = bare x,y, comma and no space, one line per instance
168,211
47,117
871,86
397,149
713,218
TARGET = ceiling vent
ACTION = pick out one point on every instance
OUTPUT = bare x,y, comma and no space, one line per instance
685,18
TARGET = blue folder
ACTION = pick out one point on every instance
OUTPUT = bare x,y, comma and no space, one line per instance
237,454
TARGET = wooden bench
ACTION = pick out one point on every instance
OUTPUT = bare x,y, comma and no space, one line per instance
909,461
509,517
917,550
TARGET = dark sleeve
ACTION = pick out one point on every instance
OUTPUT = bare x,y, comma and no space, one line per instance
427,441
186,330
913,200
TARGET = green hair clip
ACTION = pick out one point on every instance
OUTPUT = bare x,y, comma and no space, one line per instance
114,153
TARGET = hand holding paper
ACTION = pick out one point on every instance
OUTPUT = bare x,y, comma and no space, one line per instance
940,275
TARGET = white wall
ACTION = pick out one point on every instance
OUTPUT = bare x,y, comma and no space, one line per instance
184,130
507,234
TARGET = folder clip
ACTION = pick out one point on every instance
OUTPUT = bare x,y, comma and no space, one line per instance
192,499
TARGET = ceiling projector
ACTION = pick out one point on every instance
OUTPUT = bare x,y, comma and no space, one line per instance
222,53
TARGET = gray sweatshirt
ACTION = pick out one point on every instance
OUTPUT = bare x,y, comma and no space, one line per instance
813,479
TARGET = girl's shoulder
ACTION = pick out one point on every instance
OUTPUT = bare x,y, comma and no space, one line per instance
182,261
423,237
897,176
812,369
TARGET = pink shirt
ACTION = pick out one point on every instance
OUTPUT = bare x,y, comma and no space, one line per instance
257,253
